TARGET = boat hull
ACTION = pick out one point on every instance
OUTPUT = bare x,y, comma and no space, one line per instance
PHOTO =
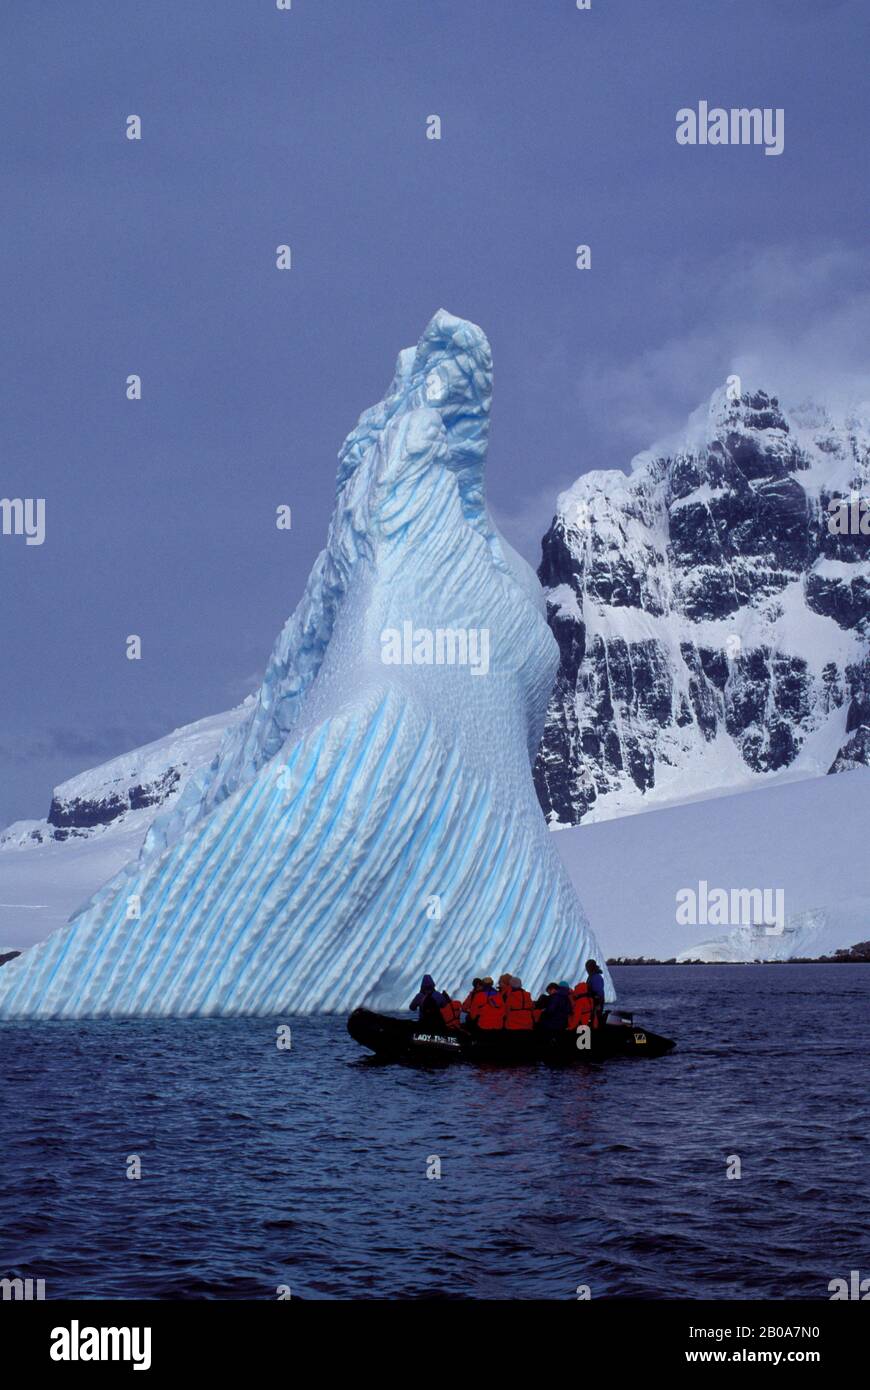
405,1040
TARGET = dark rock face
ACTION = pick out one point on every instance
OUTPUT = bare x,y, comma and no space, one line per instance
855,751
80,813
711,624
847,602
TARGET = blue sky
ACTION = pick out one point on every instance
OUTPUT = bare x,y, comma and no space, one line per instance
262,127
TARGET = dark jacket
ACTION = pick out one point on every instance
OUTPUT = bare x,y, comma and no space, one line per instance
595,982
428,999
558,1011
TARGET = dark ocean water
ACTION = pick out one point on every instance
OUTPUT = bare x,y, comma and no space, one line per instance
308,1168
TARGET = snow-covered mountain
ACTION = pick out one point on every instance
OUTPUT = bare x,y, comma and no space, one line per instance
97,823
714,630
128,790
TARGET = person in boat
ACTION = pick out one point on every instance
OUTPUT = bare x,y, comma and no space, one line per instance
451,1013
490,1007
595,981
476,998
582,1005
470,1002
519,1011
543,999
429,1002
557,1009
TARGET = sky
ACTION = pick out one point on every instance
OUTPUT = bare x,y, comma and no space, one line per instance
307,127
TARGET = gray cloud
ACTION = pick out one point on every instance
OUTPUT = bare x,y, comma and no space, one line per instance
791,321
91,746
786,319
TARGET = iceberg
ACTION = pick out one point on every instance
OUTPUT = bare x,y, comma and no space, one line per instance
373,815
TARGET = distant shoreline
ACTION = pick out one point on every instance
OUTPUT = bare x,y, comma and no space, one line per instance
855,955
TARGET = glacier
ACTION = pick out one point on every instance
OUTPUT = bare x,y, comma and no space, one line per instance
364,821
806,839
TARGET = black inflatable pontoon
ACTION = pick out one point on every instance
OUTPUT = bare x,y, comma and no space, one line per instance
405,1040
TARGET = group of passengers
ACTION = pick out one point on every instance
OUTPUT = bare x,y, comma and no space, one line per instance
507,1005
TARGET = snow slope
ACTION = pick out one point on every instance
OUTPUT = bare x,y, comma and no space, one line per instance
808,838
365,821
43,882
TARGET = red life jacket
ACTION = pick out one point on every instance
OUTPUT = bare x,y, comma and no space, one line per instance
491,1013
450,1013
475,1002
583,1008
519,1009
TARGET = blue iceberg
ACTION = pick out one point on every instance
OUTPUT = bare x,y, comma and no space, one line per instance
374,816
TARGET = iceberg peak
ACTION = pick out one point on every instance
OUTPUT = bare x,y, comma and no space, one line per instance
369,818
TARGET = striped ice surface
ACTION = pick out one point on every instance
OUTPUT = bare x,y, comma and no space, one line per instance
368,821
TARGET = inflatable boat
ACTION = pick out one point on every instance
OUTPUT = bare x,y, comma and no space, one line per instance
405,1040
